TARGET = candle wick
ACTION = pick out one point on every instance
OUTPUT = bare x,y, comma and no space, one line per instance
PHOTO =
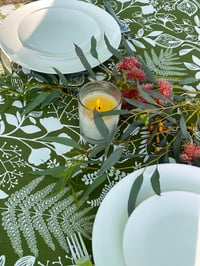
98,105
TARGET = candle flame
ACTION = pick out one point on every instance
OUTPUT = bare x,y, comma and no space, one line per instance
99,105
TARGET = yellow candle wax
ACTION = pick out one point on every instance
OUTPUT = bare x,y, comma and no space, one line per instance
100,101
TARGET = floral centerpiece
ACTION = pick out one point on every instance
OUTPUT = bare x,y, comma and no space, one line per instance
159,113
169,117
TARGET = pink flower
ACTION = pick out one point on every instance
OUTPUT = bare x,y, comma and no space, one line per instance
165,89
190,153
136,74
127,63
147,86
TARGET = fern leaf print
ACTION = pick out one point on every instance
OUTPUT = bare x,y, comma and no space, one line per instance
30,213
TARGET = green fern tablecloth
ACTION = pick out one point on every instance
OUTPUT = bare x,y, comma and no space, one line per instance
33,226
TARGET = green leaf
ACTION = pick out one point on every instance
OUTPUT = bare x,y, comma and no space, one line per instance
61,76
183,127
64,141
145,94
158,95
129,130
101,126
59,186
93,49
155,182
35,102
134,193
73,152
177,147
113,51
111,160
97,182
115,112
50,98
44,77
138,104
65,177
96,151
129,51
84,61
50,171
187,81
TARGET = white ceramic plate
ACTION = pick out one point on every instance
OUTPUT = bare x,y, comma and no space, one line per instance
41,35
164,230
112,214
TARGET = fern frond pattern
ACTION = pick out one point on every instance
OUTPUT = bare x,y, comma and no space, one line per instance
165,63
28,214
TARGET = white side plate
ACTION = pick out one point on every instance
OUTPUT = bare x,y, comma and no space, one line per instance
112,215
164,230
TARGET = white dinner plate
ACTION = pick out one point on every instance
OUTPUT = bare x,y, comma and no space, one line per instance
164,230
42,35
112,214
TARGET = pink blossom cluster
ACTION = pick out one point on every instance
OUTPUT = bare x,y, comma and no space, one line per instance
130,67
190,152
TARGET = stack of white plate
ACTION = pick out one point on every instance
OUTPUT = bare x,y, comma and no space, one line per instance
161,231
42,35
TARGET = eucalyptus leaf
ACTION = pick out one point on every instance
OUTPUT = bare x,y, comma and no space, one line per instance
155,182
183,127
63,140
158,95
127,133
53,95
73,153
109,140
114,112
129,51
97,182
187,81
100,124
145,94
61,76
59,186
135,189
93,49
138,104
96,151
84,61
177,147
113,51
35,102
64,175
44,77
111,160
50,171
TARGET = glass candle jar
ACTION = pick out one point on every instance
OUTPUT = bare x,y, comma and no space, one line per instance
100,96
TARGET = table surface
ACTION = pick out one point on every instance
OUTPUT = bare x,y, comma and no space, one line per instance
33,226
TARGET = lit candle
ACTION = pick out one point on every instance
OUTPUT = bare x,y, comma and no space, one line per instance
100,96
